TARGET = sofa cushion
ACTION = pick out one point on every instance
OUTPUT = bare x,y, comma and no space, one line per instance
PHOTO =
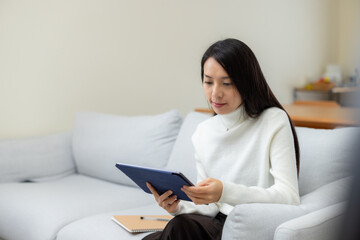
102,140
37,211
102,227
325,156
182,156
36,159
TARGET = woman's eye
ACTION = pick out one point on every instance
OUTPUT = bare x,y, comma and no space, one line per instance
207,82
227,84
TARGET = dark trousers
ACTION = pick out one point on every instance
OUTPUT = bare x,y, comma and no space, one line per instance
191,226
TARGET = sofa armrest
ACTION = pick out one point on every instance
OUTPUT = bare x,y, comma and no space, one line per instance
36,159
321,224
327,195
258,220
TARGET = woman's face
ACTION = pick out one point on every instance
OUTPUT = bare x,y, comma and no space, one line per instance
219,89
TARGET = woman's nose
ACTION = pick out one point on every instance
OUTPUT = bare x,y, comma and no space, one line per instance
217,92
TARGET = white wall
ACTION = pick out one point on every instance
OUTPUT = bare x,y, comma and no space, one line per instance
349,36
293,40
137,57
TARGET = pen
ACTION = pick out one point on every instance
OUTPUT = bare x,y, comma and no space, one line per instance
155,219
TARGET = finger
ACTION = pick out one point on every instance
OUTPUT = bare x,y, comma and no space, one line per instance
165,196
152,190
198,201
199,198
196,196
172,199
175,203
196,190
204,182
173,207
167,203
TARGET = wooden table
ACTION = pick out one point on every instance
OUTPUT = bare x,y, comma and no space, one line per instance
317,116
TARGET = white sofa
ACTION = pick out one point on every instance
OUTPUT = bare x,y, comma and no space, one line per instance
66,186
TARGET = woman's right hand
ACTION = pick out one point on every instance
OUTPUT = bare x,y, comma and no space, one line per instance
170,204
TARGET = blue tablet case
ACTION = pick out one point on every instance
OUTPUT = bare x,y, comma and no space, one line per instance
162,180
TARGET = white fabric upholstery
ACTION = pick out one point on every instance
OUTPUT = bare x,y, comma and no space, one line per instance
102,140
323,224
268,217
325,156
182,156
258,220
37,211
102,227
36,159
80,207
329,194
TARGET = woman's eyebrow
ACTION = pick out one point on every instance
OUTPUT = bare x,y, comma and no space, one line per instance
222,78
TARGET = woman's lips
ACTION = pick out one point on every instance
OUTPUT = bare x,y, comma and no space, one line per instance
218,105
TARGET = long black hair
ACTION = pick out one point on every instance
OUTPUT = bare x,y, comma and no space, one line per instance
244,70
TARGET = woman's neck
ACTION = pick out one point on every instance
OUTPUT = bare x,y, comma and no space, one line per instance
229,120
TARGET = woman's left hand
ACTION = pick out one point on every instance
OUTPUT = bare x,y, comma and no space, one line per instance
205,192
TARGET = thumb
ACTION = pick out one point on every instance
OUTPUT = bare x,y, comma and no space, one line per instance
204,182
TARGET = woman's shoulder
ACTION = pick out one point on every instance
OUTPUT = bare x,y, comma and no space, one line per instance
201,128
275,117
274,112
210,122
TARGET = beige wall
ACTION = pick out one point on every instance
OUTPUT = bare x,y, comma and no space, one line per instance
137,57
349,36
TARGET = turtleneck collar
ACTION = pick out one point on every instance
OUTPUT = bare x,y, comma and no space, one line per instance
229,120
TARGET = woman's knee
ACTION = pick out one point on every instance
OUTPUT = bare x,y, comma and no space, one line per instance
183,226
180,222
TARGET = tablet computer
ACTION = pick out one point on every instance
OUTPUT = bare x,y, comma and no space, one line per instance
162,180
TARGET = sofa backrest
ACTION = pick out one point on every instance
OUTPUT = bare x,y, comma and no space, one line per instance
102,140
182,156
325,156
36,159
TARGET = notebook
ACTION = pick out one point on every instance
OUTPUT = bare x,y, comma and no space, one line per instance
134,223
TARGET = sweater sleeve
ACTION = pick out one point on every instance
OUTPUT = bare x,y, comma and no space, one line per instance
283,169
186,207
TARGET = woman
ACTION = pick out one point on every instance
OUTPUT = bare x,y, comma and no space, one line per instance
247,153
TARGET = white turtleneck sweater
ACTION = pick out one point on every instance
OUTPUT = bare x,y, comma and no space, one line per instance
254,159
